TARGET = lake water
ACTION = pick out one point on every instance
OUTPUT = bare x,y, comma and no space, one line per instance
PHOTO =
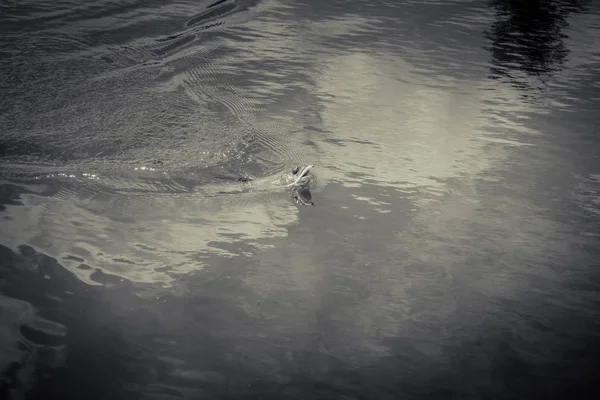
454,243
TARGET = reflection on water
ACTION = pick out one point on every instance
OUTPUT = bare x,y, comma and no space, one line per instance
144,238
415,137
32,340
450,252
528,38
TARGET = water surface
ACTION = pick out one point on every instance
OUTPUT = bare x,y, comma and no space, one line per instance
452,249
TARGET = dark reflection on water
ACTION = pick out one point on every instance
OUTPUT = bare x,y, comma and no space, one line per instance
32,303
91,351
529,37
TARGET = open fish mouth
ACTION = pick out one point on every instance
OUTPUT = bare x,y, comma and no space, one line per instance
304,197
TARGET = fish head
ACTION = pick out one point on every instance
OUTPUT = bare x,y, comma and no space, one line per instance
302,176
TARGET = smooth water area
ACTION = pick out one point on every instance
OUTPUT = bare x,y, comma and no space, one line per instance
452,251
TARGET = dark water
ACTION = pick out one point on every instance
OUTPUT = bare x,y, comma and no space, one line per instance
453,248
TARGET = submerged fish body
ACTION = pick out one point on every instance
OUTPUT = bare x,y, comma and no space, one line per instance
157,181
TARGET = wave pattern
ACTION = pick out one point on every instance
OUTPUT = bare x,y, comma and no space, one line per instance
146,111
235,88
